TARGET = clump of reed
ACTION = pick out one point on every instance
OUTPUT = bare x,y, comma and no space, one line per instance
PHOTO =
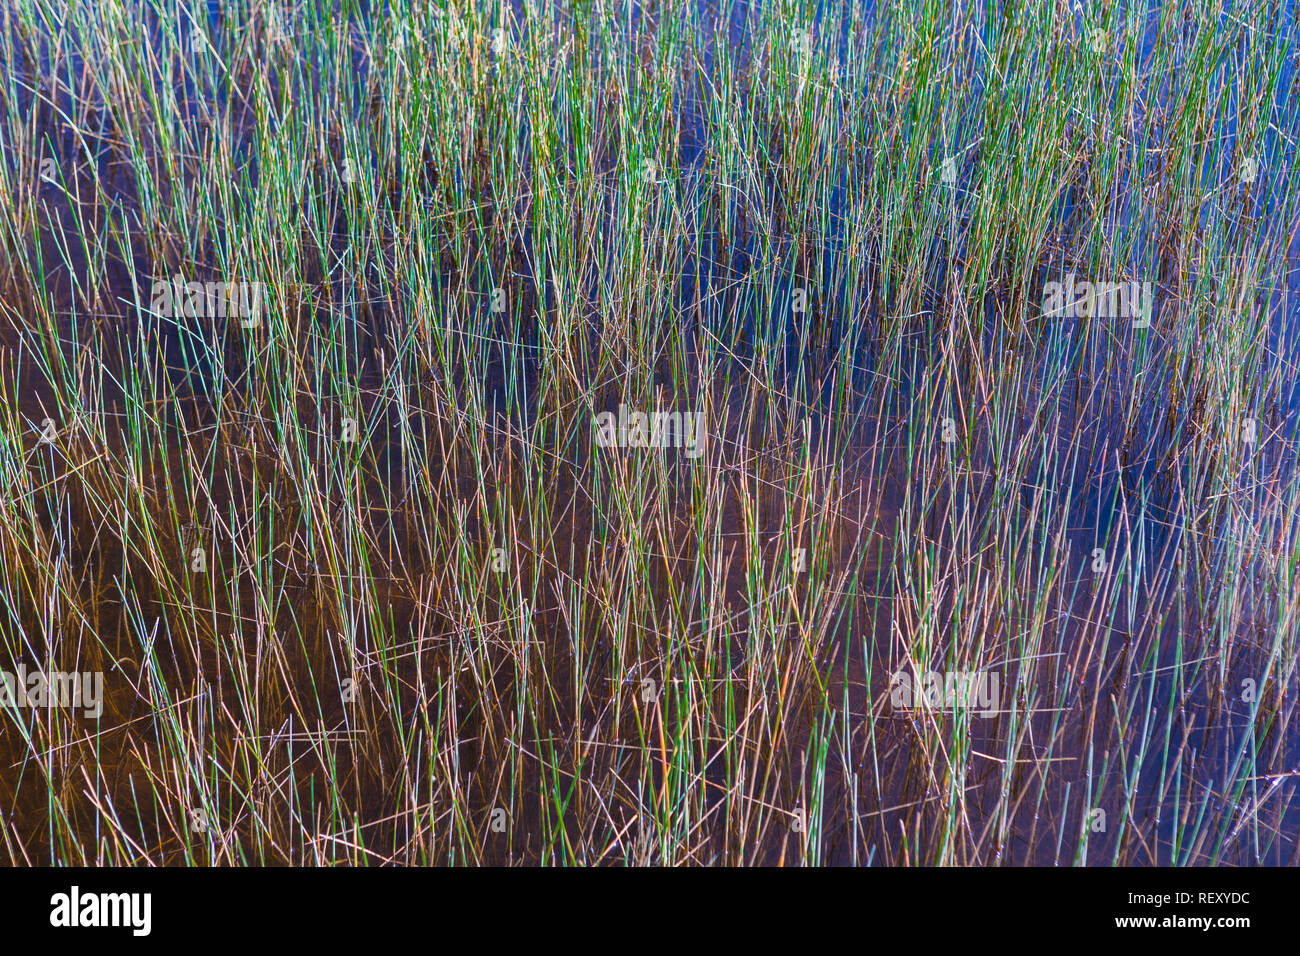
364,588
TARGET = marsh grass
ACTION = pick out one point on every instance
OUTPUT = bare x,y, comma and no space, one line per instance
435,623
